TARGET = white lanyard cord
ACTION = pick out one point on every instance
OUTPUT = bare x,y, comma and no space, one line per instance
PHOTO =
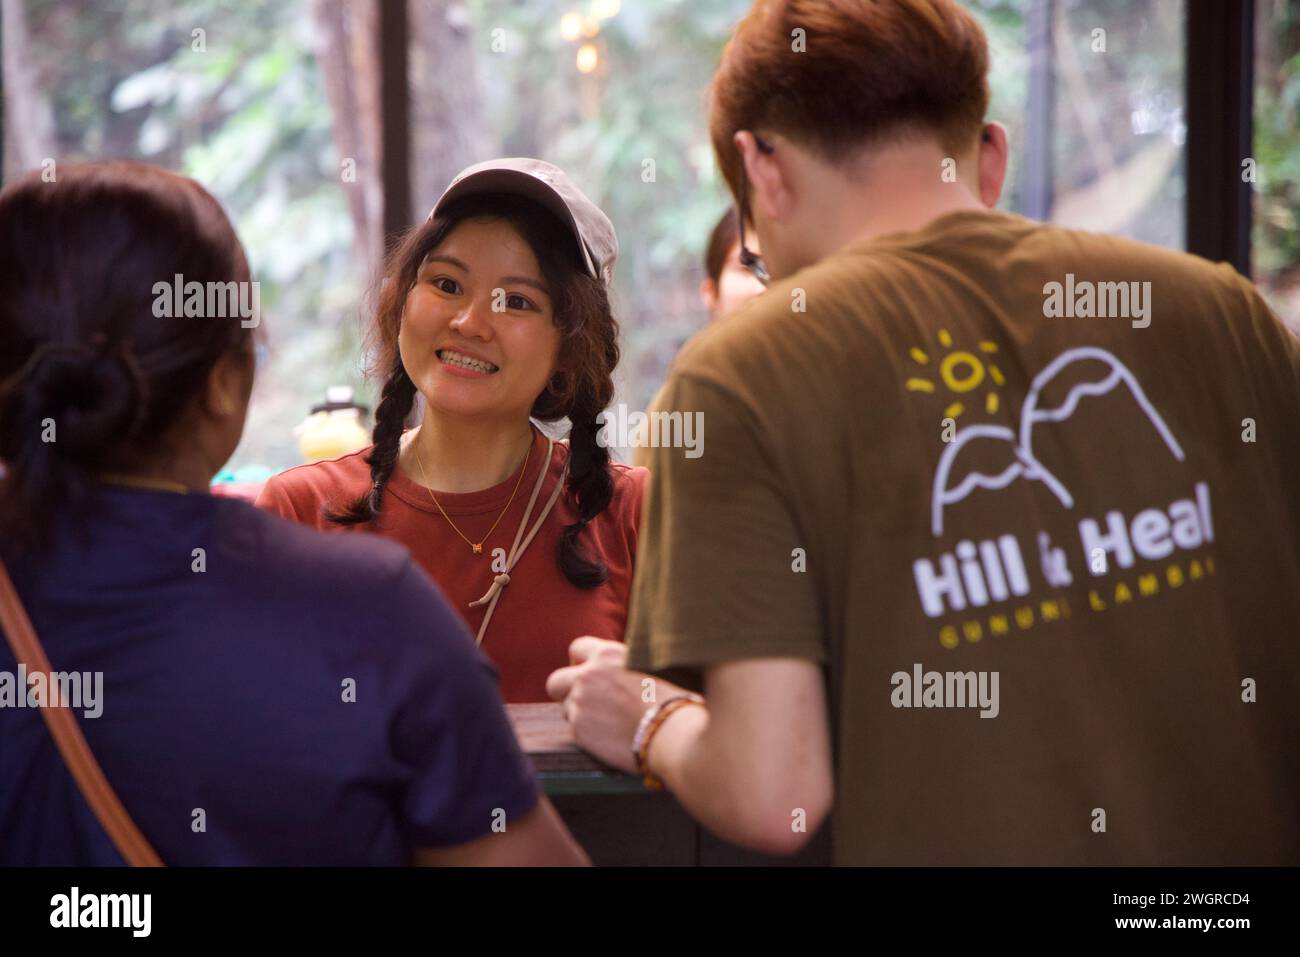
493,594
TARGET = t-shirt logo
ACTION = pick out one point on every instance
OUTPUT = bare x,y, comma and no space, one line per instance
1022,443
961,371
1112,552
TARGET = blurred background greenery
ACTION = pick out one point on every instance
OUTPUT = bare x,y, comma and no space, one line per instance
274,106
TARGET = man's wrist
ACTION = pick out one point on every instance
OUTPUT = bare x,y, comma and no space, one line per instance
650,732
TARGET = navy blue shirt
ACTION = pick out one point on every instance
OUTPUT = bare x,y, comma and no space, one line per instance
223,699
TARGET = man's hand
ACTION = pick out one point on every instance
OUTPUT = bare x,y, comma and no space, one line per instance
758,754
602,700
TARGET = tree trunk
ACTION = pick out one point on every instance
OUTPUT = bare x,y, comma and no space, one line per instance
447,102
29,120
348,36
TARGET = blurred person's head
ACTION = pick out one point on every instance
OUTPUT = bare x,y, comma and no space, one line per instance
727,284
836,120
490,313
92,380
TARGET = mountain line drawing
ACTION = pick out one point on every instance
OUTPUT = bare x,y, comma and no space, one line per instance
1027,465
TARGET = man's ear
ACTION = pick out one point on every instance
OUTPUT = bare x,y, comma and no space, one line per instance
992,163
769,185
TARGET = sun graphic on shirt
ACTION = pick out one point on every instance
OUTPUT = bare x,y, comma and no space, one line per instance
961,372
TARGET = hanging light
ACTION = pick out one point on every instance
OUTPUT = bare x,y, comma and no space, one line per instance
570,26
588,58
605,9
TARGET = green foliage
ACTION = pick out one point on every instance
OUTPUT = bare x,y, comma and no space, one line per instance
249,119
1277,144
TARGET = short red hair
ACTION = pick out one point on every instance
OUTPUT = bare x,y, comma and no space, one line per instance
871,70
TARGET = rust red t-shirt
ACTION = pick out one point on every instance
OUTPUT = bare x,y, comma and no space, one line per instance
540,611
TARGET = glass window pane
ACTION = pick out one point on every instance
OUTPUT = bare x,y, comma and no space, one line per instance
1091,92
246,97
278,115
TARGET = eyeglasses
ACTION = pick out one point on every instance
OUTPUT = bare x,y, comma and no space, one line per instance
748,258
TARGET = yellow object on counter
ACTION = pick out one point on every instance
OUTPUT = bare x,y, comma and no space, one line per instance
327,435
333,428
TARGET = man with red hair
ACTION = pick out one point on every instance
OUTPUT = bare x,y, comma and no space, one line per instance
960,466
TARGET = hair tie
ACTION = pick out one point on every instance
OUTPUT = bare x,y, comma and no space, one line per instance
40,353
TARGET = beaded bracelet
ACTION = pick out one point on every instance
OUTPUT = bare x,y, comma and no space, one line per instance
651,721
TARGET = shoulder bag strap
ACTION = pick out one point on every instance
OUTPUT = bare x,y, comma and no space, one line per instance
126,837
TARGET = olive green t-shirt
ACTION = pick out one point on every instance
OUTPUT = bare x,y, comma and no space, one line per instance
1032,496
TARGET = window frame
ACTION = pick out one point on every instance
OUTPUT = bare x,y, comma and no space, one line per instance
1219,84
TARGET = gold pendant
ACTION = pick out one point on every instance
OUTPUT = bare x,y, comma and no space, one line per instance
478,549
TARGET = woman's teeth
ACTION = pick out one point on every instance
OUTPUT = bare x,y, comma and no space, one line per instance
453,358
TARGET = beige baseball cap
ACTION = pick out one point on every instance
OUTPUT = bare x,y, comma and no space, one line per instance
549,186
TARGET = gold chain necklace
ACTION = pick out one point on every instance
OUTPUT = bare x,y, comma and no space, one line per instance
478,548
132,481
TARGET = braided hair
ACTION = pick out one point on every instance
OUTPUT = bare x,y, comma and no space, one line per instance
579,390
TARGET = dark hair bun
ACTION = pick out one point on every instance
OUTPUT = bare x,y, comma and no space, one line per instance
95,399
84,354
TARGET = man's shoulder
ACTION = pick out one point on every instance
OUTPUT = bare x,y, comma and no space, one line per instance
725,342
995,241
836,317
1199,298
1123,254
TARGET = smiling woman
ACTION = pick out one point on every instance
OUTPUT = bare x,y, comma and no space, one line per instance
480,336
496,312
